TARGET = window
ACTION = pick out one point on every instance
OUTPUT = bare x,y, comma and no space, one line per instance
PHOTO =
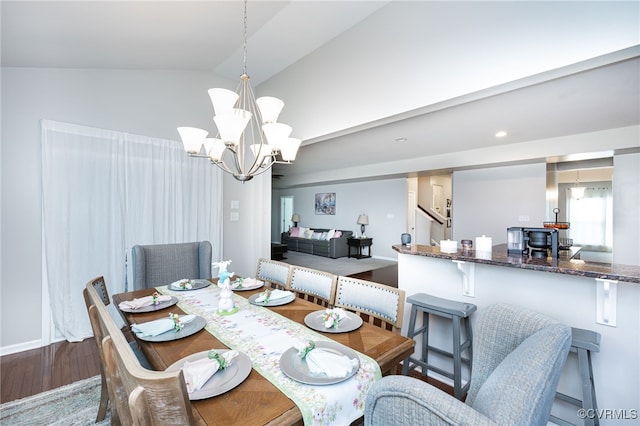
591,217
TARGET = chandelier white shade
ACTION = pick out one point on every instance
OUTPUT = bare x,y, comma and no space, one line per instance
249,139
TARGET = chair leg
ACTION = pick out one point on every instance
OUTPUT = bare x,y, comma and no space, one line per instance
104,398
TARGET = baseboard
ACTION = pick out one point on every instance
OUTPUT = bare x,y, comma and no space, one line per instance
20,347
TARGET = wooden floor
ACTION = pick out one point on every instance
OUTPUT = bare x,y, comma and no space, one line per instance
387,275
37,370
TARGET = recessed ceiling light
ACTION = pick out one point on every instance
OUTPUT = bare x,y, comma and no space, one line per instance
501,134
401,139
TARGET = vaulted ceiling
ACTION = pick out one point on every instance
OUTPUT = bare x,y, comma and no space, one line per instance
597,94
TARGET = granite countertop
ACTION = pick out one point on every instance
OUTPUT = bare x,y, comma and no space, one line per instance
563,265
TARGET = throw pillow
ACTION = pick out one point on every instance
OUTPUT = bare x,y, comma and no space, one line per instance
295,232
308,233
323,236
316,235
337,234
330,234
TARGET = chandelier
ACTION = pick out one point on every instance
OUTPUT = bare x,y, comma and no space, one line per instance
249,139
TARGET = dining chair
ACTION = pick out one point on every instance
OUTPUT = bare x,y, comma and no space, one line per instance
517,361
377,304
101,295
276,273
162,264
166,398
313,285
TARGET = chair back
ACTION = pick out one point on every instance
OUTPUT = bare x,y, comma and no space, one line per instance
167,400
313,285
162,264
276,273
381,304
99,294
518,356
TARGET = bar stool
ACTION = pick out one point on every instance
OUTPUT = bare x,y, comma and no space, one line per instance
458,313
583,342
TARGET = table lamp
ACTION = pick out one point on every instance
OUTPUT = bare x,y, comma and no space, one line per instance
295,219
363,220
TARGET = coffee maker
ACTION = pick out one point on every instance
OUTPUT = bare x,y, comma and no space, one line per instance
537,242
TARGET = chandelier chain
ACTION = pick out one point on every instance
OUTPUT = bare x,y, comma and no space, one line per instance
244,37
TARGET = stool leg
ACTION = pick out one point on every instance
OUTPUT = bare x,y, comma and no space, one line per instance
469,332
457,360
425,342
588,389
410,335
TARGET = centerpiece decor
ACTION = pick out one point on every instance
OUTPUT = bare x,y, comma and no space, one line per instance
225,306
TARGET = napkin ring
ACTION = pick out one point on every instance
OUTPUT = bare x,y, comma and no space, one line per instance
330,317
267,295
177,324
308,347
185,284
222,362
156,302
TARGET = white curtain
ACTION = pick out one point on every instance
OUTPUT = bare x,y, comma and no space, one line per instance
103,192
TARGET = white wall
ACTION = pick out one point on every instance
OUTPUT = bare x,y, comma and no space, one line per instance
151,103
384,201
626,209
441,66
488,201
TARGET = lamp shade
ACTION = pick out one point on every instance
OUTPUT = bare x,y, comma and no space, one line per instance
231,125
577,192
270,108
363,219
192,138
295,217
215,148
289,149
223,100
276,134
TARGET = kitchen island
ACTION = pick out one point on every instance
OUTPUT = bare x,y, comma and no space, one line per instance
601,297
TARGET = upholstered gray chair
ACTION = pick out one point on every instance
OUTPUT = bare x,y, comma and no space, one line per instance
518,356
162,264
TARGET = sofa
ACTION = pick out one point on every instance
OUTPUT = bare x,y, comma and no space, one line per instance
322,242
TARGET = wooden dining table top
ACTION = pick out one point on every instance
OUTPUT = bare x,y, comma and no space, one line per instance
256,401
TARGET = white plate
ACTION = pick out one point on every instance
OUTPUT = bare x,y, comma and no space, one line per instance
296,368
192,327
258,284
221,382
349,323
276,302
152,308
195,285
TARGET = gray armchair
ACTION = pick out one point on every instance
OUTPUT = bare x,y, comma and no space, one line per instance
518,356
161,264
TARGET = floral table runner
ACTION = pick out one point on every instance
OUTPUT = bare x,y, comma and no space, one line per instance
264,335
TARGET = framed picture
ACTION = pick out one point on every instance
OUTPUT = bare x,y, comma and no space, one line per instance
326,203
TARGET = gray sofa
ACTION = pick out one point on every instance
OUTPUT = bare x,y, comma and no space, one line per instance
333,248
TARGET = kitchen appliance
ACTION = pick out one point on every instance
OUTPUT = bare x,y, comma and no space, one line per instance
537,242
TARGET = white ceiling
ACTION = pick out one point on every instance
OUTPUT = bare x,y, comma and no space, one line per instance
593,96
155,34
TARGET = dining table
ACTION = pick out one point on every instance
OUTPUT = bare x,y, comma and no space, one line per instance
257,401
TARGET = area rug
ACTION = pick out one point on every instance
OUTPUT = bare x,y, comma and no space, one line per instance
341,266
75,404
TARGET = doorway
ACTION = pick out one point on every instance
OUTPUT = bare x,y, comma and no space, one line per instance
286,211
